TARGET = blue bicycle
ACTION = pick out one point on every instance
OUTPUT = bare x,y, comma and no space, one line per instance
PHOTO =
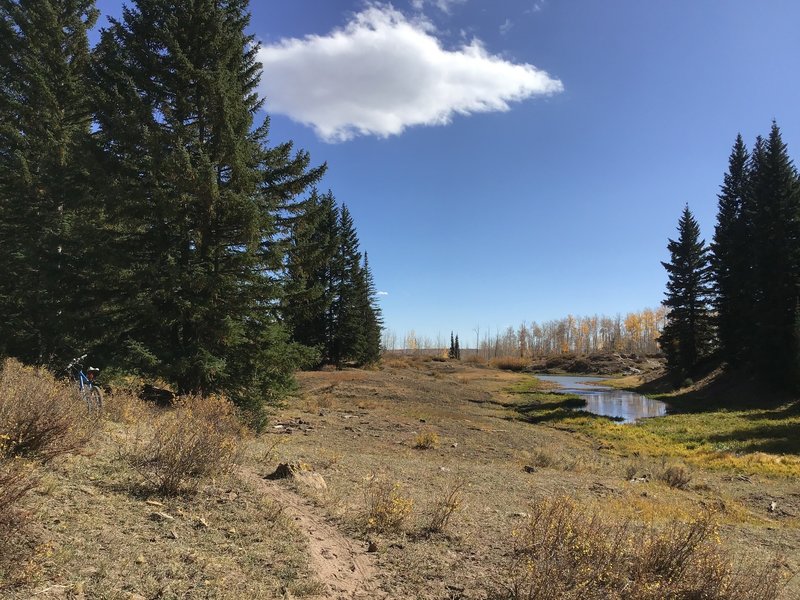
89,391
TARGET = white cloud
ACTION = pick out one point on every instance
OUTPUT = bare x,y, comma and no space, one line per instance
384,72
506,27
442,5
383,293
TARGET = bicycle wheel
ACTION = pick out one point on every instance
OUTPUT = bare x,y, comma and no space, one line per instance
95,398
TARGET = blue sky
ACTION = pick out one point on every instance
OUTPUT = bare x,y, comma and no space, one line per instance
523,159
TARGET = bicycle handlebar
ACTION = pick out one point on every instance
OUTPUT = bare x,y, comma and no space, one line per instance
75,361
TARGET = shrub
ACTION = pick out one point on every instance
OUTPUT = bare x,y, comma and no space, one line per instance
195,439
510,363
564,551
542,458
444,507
40,417
676,476
387,509
17,478
426,440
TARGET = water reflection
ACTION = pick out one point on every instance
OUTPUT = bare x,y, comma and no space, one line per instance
608,402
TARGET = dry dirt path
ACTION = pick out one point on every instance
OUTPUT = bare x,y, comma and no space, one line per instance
337,561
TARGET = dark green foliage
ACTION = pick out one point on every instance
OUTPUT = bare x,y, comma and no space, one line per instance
731,258
330,302
194,192
457,349
687,337
774,206
308,290
48,221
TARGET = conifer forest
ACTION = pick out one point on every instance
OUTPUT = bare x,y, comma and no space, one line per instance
147,219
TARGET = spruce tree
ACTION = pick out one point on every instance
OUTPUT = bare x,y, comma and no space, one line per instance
731,259
457,349
687,336
452,352
311,250
348,287
193,189
48,222
371,318
774,205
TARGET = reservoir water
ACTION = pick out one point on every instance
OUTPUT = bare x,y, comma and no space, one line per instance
609,402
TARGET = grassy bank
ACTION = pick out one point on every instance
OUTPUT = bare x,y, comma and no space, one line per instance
713,425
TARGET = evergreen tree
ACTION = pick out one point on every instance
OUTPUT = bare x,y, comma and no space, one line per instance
47,219
348,338
312,247
457,349
687,336
774,205
371,318
731,259
193,191
452,352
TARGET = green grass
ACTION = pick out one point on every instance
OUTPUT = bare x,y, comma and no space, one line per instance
759,437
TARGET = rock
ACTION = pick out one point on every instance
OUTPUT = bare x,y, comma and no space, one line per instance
520,515
301,473
140,559
529,469
161,516
372,546
773,506
444,469
454,445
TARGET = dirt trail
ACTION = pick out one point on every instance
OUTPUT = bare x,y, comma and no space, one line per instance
336,560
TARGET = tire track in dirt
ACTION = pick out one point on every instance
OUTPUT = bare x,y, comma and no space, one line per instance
337,561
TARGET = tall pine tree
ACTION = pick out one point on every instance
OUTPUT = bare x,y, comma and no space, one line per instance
194,190
48,221
687,337
774,206
731,259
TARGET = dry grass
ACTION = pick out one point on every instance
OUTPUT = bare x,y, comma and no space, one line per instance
197,438
510,363
565,551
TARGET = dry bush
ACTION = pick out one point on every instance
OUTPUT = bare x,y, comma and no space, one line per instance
676,476
564,551
543,459
17,478
510,363
40,417
125,407
387,509
198,437
473,359
444,507
425,440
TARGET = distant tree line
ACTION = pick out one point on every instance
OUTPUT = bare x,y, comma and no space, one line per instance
144,215
636,332
738,300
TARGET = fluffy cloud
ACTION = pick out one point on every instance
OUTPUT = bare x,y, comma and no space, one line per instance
384,72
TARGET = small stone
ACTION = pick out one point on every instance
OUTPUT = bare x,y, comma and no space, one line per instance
444,469
529,469
140,559
454,445
372,546
773,506
202,522
520,515
232,531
